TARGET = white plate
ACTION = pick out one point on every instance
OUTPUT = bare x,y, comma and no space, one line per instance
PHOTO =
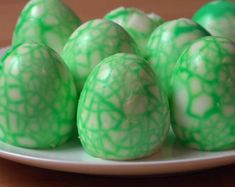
71,158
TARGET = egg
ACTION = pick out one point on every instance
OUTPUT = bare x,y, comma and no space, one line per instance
166,44
203,95
91,43
122,113
48,22
38,98
218,17
156,18
138,24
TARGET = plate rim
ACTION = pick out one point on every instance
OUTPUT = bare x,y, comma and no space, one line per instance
123,168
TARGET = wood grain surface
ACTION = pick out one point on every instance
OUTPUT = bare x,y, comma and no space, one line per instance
17,175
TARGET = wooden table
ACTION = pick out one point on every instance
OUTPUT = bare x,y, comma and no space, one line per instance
17,175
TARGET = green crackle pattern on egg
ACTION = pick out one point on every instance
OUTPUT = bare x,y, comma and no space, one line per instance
91,43
138,24
49,22
218,17
203,95
122,114
38,98
166,44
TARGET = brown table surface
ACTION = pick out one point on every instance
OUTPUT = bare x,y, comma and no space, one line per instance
17,175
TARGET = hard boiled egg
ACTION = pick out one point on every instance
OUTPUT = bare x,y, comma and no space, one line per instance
38,98
49,22
203,95
91,43
166,44
138,24
218,17
122,113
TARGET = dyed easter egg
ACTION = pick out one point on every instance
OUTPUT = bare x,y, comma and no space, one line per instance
218,17
122,114
203,95
38,98
48,22
136,23
166,44
91,43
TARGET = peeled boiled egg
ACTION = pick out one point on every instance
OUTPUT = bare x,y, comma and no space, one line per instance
38,98
203,95
122,113
48,22
91,43
166,44
138,24
218,17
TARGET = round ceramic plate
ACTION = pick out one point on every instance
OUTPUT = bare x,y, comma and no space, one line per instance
70,157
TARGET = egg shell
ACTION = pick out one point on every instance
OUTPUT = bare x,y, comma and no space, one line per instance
38,98
166,44
122,114
48,22
218,17
91,43
203,95
138,24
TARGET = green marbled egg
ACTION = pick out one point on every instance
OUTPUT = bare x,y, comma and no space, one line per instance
156,18
91,43
138,24
49,22
38,98
166,44
122,114
218,17
203,95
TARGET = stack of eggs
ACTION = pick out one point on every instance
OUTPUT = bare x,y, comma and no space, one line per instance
118,83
